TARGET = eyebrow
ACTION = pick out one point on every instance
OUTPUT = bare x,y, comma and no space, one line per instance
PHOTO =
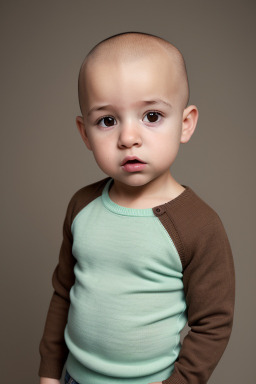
144,102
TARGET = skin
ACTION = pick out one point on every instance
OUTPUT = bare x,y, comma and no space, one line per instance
130,46
128,127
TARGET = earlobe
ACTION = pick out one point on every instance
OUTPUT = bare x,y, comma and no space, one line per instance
81,128
190,117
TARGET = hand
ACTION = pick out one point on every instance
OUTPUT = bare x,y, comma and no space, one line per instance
156,382
47,380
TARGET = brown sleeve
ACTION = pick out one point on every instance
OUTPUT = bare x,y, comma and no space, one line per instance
52,348
209,286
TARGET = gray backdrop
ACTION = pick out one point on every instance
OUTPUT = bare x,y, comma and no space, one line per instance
44,161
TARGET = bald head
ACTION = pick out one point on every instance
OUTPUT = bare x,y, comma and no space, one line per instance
130,46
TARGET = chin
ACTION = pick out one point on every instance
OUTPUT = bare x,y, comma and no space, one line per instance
133,180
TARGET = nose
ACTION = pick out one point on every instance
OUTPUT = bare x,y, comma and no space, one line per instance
129,136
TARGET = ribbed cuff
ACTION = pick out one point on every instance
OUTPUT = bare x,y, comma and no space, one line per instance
175,378
53,372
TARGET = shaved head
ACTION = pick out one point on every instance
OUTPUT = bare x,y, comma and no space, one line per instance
130,46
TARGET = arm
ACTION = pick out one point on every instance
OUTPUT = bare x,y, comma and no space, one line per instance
53,349
209,285
208,278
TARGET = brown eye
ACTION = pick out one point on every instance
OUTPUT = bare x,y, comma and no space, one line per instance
106,121
153,117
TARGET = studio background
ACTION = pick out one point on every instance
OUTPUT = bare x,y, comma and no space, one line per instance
44,161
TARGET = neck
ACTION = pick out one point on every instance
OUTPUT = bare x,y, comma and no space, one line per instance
149,195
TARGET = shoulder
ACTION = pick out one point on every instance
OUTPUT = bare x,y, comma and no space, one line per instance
188,210
193,225
83,197
196,210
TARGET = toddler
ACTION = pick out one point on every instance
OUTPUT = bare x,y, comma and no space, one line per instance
141,254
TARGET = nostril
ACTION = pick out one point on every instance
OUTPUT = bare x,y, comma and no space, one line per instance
129,144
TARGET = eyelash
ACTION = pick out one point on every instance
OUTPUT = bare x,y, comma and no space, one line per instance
102,118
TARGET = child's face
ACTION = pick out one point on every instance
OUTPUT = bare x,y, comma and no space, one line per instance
134,118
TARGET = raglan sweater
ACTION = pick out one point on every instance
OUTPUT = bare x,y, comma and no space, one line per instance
125,285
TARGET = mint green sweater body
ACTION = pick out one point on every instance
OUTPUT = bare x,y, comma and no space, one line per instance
127,304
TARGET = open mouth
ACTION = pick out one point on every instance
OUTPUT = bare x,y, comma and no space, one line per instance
132,160
133,164
135,161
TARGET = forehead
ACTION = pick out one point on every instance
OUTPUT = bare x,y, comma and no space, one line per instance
126,80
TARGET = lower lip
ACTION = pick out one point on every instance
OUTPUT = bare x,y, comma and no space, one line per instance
133,167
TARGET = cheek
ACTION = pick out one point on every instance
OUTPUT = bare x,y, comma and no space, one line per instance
167,140
103,160
168,147
102,150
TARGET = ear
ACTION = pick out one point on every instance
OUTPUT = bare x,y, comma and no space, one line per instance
81,128
190,117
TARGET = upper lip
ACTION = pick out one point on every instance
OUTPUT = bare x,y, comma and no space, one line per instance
128,158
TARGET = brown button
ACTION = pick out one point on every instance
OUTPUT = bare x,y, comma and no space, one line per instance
158,211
